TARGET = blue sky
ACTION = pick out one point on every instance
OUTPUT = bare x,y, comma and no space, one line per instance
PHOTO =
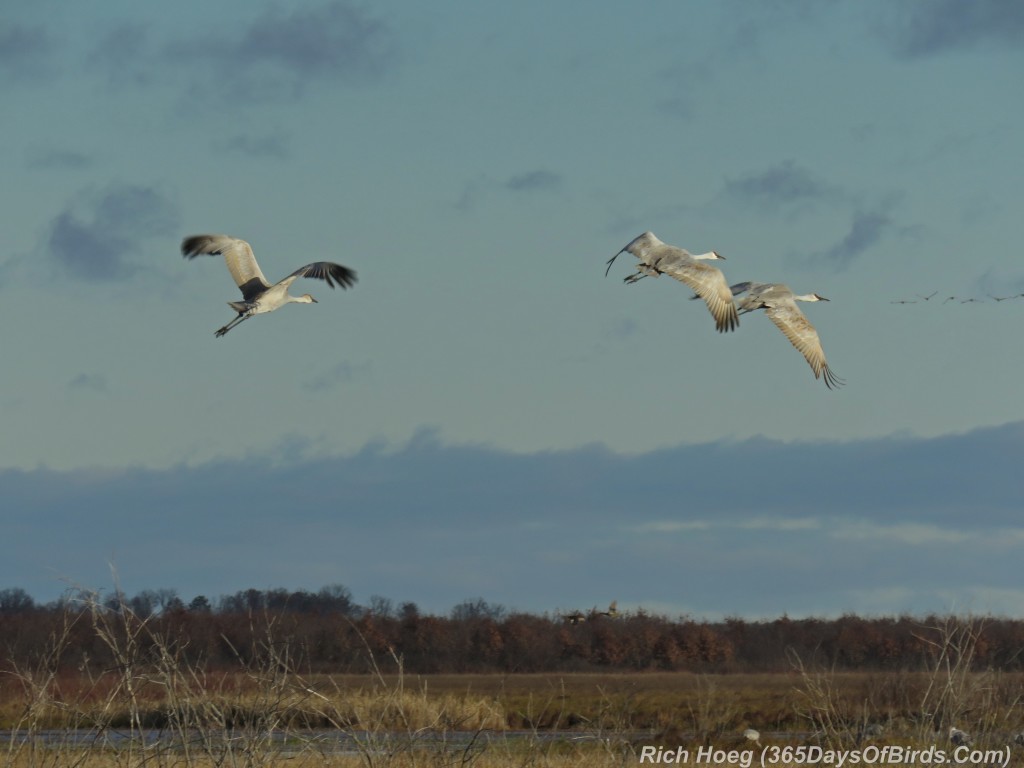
477,163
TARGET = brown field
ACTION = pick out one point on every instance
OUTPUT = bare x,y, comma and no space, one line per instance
126,693
277,717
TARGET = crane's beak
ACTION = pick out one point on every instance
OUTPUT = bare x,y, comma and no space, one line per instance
313,300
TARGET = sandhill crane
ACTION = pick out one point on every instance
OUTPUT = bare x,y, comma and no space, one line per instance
709,283
259,296
613,610
752,735
576,617
779,303
959,737
870,731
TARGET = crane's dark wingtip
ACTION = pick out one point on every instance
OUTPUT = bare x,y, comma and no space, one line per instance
344,276
329,272
730,322
831,380
198,245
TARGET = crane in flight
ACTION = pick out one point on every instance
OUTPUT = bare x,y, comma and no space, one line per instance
658,258
258,295
779,303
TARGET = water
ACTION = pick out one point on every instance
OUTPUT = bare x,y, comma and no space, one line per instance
324,741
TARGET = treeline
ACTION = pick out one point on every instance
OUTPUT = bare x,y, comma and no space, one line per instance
326,631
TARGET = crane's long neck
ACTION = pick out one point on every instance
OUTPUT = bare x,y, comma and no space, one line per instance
708,255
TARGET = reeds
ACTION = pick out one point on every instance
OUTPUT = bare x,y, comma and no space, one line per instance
153,702
916,707
154,707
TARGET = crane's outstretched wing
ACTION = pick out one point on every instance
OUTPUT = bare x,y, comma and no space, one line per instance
709,284
801,334
237,255
327,271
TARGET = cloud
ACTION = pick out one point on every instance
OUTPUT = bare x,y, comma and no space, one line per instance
336,38
341,373
931,27
126,55
783,183
532,181
88,382
529,182
676,107
903,533
60,159
274,56
810,524
268,145
24,49
866,230
279,53
98,246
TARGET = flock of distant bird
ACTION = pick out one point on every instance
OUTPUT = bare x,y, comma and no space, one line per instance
970,300
708,283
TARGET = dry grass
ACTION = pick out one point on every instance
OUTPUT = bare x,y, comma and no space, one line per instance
153,709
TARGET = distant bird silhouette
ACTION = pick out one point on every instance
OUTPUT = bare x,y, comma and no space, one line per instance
612,611
1005,298
658,258
258,295
752,735
576,617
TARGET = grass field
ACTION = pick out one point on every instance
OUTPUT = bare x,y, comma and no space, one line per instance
149,706
278,717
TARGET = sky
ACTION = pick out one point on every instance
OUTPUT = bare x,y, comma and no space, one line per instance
485,413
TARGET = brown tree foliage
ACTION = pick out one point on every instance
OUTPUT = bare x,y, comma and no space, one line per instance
328,631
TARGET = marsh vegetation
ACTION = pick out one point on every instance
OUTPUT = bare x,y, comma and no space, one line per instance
94,681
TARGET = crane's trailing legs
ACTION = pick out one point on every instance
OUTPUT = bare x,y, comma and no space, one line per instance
241,316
